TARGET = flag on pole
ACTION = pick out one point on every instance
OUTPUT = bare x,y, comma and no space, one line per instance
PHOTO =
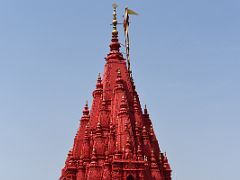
126,18
126,25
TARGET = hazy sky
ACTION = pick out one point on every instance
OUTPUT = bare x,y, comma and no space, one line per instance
186,65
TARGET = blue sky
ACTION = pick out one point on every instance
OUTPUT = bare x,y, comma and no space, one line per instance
185,59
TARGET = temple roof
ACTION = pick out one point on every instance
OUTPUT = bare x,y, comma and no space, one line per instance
114,129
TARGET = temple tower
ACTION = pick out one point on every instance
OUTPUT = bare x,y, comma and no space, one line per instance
115,139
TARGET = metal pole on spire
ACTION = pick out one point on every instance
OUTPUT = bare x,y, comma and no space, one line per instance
126,26
114,21
115,45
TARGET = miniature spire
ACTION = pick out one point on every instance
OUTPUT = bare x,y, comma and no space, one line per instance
145,109
94,158
146,115
80,162
144,131
85,110
104,104
119,80
99,78
166,166
151,131
99,84
99,87
86,143
118,154
128,150
107,170
99,129
135,103
86,133
123,105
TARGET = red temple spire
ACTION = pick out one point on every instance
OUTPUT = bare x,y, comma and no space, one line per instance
115,139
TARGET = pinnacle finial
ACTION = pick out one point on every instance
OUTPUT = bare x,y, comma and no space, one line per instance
114,46
145,110
99,85
114,21
86,110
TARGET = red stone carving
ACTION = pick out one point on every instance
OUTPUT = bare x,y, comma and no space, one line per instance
115,139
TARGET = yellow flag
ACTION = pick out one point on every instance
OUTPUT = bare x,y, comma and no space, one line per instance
126,18
126,26
129,11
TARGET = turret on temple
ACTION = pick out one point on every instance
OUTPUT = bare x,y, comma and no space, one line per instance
115,139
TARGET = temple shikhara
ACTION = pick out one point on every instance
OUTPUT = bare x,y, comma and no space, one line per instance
116,138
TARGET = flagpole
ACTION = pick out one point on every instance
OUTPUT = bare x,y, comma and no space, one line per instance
126,25
127,53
